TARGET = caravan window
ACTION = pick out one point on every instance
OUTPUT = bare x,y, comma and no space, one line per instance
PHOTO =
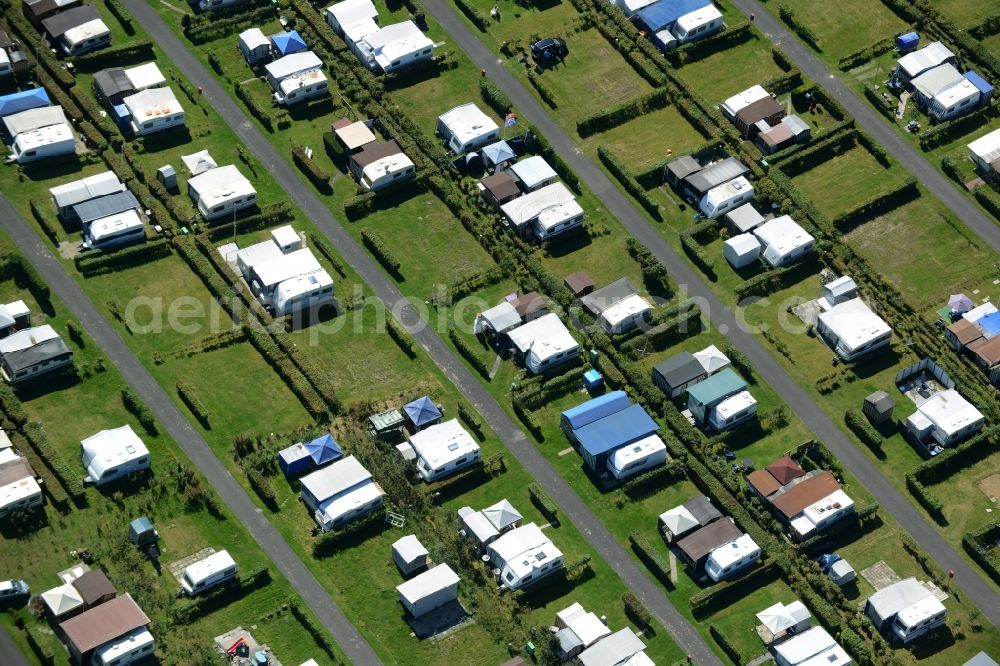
426,51
219,209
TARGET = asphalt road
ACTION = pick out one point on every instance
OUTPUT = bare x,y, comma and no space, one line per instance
721,316
873,123
8,650
194,445
573,508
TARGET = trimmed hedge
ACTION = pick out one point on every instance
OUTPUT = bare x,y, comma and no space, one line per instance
494,97
543,90
950,130
193,402
139,409
120,13
741,363
721,594
474,282
401,337
262,114
652,558
629,182
698,256
605,119
860,426
884,105
320,244
725,645
116,56
989,200
863,55
729,36
543,503
805,34
378,248
470,354
883,201
316,174
98,263
43,221
637,611
981,547
290,372
360,206
654,273
474,15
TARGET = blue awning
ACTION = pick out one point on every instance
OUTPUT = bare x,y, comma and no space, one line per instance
422,411
598,408
989,324
324,450
23,101
617,430
288,42
662,14
981,84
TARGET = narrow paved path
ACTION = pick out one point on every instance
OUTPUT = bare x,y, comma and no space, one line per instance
194,445
11,655
574,509
723,317
872,122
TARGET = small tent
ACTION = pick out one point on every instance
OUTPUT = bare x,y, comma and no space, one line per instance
62,601
422,413
286,43
960,303
199,162
323,450
497,154
142,532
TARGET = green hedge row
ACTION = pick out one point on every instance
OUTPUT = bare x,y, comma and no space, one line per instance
765,283
98,263
986,28
360,206
728,37
209,27
293,377
722,594
139,409
863,429
494,97
649,483
816,153
989,200
378,247
46,58
725,645
129,53
263,487
401,337
889,198
528,419
543,503
605,119
664,335
698,256
473,356
885,105
261,113
316,174
741,363
637,611
654,273
324,248
474,282
981,546
193,402
120,13
629,182
950,130
652,558
802,30
474,15
543,90
863,55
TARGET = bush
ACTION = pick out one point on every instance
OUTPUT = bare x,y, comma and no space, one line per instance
494,97
864,430
698,256
193,402
620,114
334,149
651,558
139,409
636,611
474,15
950,130
116,56
313,171
262,114
99,263
120,13
741,363
320,244
543,90
629,182
702,48
981,548
470,354
262,486
378,248
887,199
883,104
44,222
474,282
216,24
808,36
471,419
401,337
989,200
654,273
359,206
543,503
863,55
726,646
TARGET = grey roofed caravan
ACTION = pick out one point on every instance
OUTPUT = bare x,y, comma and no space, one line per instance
33,119
744,218
105,206
981,659
702,509
715,175
696,547
677,372
601,299
681,168
20,358
113,85
58,25
613,650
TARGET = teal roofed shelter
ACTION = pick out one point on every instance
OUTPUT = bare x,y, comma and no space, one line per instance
705,395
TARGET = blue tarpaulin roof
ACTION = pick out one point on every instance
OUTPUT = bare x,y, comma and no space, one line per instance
907,41
716,387
660,15
595,409
499,152
23,101
324,449
989,324
981,84
288,42
616,430
422,411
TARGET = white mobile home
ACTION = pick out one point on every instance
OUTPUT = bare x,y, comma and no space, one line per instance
731,558
302,292
741,250
18,488
254,45
726,197
431,589
205,574
31,352
697,24
961,97
112,454
154,110
394,47
266,276
906,609
39,133
625,314
985,153
742,100
733,411
297,77
637,457
544,343
466,128
818,516
5,67
524,556
916,63
349,12
68,195
443,449
544,213
340,493
221,191
852,329
127,649
380,165
783,241
944,419
811,647
114,231
77,31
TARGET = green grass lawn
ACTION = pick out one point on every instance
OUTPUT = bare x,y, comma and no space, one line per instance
839,184
965,13
647,140
970,497
992,43
845,27
731,70
934,255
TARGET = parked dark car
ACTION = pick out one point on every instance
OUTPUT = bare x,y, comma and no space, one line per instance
549,48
